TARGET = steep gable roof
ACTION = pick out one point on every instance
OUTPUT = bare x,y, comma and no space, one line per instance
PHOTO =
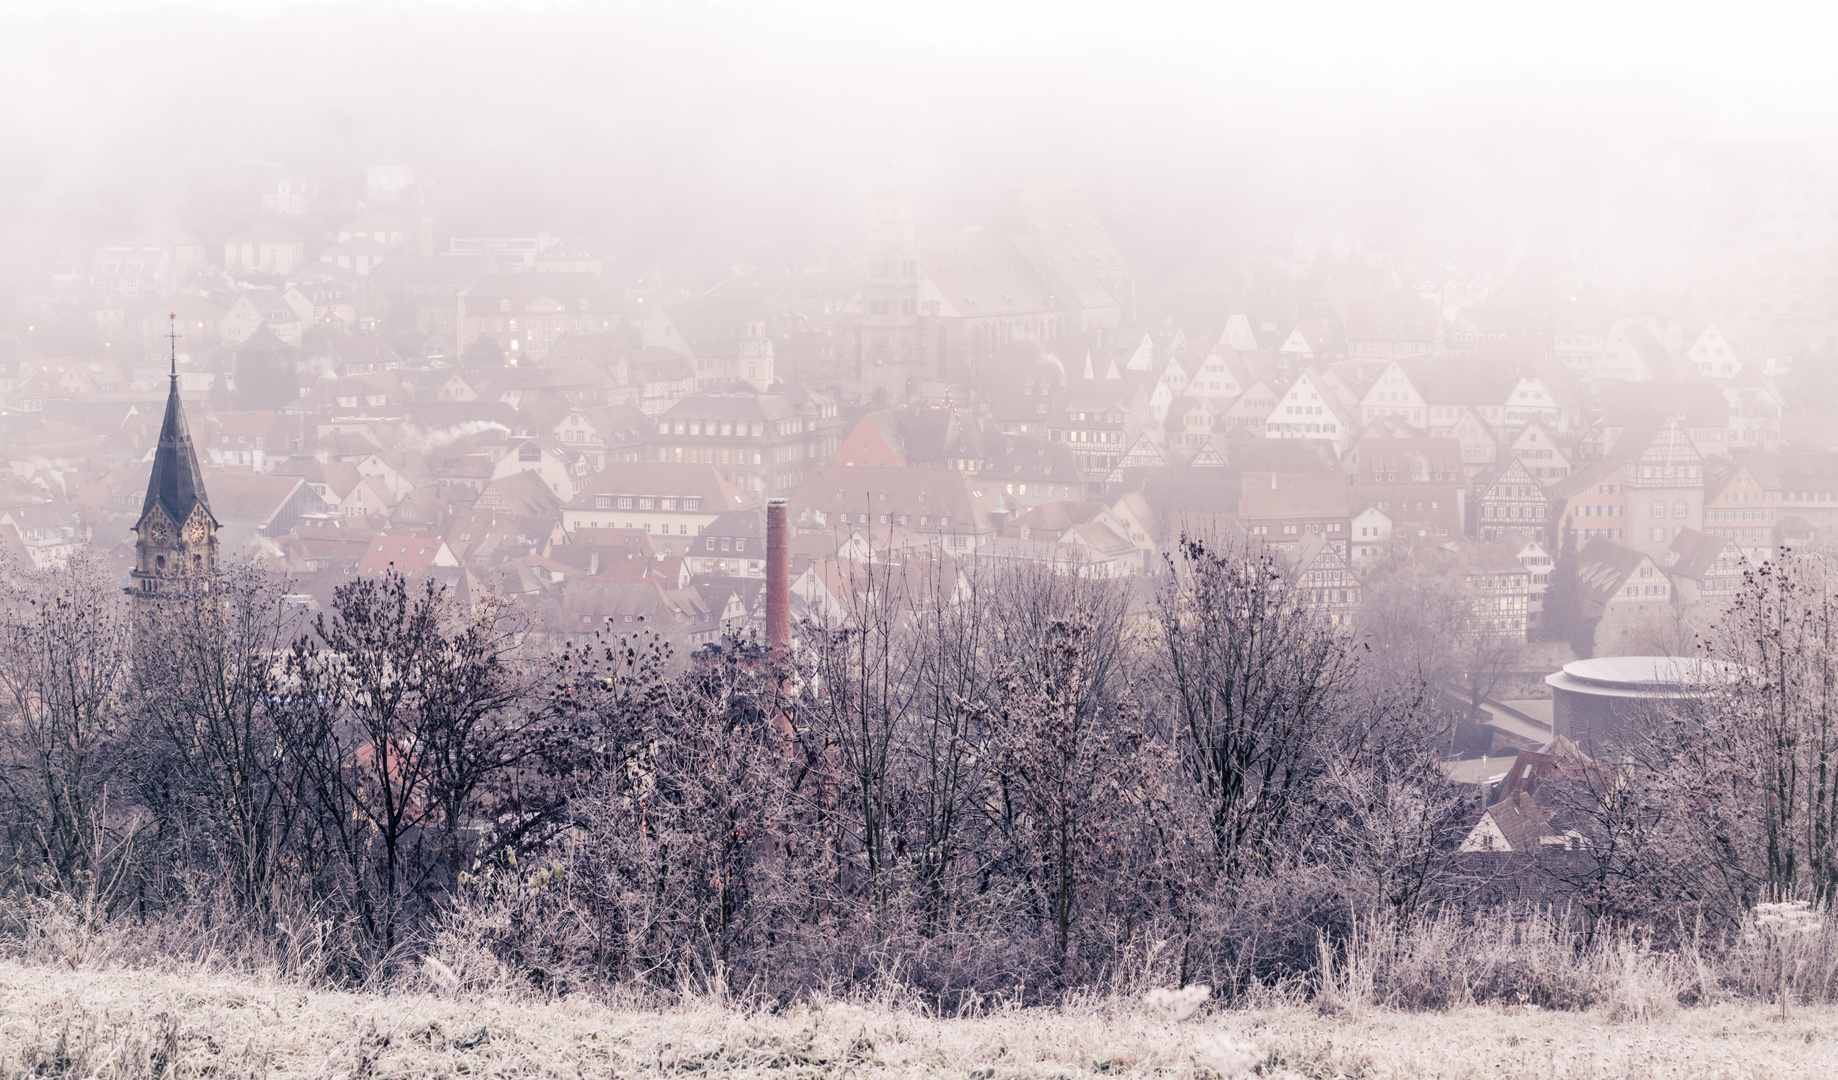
176,483
1603,565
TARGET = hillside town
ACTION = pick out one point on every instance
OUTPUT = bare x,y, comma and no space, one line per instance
730,537
1633,420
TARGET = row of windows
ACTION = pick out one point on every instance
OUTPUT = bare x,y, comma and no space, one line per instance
689,503
1388,477
661,530
901,519
1051,491
1500,581
701,456
884,268
728,428
505,306
1742,514
1295,530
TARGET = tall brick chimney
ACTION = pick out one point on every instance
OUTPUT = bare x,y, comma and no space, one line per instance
778,577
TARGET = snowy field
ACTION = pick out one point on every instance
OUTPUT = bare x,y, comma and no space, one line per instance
135,1024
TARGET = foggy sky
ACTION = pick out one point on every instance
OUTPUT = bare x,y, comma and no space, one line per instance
688,136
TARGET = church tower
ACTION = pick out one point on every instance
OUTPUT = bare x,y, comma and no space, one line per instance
888,351
177,544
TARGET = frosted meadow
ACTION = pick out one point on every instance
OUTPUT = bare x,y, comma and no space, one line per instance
120,1023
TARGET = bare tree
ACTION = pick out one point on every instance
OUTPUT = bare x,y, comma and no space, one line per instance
1413,609
223,782
408,703
1423,624
1260,689
1774,684
1074,764
695,850
65,645
853,727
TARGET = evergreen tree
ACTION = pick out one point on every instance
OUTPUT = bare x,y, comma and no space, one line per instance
1564,619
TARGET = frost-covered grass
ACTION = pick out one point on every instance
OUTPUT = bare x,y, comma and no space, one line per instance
139,1023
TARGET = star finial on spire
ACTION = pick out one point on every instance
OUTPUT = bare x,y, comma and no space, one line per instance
172,336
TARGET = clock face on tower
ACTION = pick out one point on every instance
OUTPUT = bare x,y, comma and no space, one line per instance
158,533
195,531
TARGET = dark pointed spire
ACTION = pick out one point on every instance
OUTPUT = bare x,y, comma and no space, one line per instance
177,482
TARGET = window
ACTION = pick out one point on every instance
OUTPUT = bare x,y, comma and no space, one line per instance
1659,511
625,503
692,502
1659,534
1678,508
646,502
603,502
